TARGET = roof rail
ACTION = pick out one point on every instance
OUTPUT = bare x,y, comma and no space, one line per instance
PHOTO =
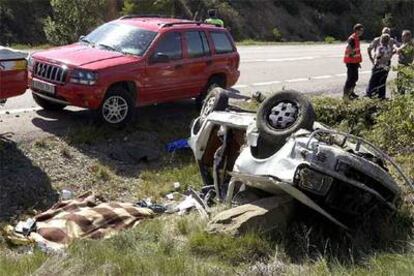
198,23
129,16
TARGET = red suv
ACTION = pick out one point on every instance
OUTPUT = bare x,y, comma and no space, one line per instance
134,61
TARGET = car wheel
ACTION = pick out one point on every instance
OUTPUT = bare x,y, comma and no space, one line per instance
47,105
117,108
282,114
216,100
212,84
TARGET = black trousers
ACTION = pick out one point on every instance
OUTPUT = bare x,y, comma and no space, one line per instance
352,75
377,83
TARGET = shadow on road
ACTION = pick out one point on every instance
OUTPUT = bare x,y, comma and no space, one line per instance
126,151
23,185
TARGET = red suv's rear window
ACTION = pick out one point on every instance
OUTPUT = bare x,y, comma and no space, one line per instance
222,43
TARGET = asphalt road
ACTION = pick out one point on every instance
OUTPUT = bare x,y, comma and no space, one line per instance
314,69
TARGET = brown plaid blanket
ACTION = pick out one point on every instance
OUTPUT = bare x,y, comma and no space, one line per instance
85,218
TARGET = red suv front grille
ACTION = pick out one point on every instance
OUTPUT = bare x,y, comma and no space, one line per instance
49,72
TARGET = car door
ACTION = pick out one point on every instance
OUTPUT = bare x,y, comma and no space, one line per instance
198,61
164,74
225,56
13,78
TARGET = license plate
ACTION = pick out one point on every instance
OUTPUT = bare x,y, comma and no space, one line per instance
43,86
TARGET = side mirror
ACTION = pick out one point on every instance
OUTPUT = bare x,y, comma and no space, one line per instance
160,58
81,37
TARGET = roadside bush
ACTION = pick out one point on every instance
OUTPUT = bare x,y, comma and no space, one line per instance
405,79
394,128
277,34
356,117
329,39
72,18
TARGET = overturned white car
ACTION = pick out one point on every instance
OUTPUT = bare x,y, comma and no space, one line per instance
281,149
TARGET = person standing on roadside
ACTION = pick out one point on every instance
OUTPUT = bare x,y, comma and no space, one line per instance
353,59
382,63
376,42
213,19
405,57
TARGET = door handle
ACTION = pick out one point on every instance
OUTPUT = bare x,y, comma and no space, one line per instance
209,62
178,66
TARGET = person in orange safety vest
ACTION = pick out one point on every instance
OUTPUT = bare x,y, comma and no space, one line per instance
353,59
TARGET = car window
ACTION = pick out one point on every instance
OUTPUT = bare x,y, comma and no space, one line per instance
221,42
170,45
120,37
197,44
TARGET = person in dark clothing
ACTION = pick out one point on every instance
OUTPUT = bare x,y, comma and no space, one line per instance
353,59
382,63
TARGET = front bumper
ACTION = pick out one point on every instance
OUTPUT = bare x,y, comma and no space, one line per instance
72,94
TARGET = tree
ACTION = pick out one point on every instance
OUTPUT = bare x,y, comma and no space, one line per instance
73,18
22,21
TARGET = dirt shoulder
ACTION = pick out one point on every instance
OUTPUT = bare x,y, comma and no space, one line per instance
81,156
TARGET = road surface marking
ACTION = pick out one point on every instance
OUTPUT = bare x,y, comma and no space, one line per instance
265,83
240,86
268,83
297,80
322,77
19,110
278,59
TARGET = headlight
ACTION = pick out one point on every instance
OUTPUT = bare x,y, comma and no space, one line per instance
30,63
313,181
83,77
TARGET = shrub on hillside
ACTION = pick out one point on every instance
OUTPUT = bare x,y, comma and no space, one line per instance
277,34
330,39
72,18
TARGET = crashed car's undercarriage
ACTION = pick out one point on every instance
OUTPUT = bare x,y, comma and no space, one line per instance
282,150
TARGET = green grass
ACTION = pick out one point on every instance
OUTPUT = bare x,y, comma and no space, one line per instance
173,245
30,47
154,248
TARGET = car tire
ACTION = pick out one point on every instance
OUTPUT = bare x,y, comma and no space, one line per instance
47,105
216,100
282,114
212,84
117,108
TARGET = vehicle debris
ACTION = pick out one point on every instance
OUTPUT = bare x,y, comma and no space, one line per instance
177,145
266,214
282,150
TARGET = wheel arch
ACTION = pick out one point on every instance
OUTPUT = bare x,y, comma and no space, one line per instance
220,77
129,86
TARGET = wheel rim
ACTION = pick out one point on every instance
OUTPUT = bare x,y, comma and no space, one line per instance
208,107
115,109
283,115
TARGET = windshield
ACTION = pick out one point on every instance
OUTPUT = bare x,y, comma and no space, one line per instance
121,38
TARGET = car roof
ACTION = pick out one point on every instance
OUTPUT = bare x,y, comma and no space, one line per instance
157,23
